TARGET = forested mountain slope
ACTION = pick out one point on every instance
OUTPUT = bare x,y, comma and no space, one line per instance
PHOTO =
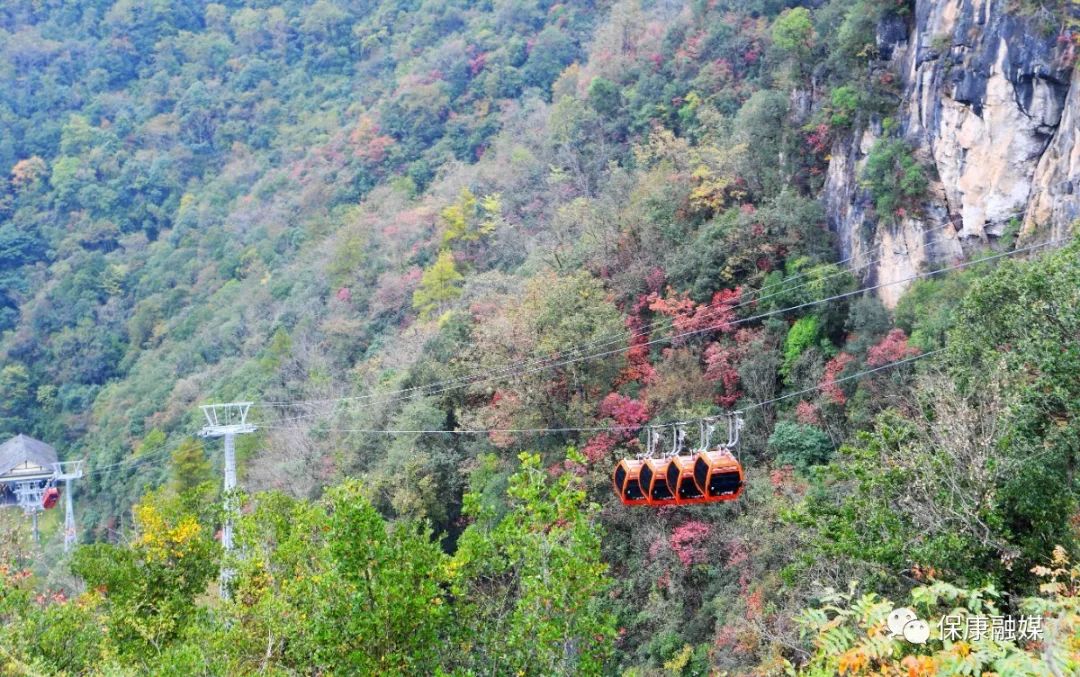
551,223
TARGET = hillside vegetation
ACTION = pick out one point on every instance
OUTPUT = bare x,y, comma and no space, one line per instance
552,223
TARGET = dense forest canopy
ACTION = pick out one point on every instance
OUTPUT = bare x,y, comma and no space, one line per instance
553,223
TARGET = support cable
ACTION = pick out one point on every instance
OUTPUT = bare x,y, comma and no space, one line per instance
394,395
610,339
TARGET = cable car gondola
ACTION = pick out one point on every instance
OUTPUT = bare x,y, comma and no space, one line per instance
654,482
627,481
50,497
717,473
680,474
706,475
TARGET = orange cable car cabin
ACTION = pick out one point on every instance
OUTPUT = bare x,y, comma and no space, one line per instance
680,478
654,482
718,474
627,480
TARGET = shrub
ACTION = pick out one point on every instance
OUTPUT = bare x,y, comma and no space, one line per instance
802,335
844,104
799,445
893,176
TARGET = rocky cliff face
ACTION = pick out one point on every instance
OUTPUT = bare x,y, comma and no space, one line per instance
990,101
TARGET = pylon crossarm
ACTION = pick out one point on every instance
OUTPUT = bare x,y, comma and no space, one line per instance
229,418
68,470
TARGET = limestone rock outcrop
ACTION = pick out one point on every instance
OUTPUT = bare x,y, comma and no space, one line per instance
989,103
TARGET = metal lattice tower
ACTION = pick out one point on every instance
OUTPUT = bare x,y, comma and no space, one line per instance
29,496
68,472
227,420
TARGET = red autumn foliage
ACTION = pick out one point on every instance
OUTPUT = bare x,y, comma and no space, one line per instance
755,604
664,581
655,280
892,348
688,316
738,554
781,477
393,291
673,306
641,304
476,63
818,138
829,387
599,447
573,467
638,366
654,549
807,413
687,542
726,637
369,145
721,366
923,573
628,413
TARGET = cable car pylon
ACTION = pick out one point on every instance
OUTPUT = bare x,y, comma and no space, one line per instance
705,474
227,420
69,471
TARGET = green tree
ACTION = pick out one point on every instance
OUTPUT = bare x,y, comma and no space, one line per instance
1019,324
350,593
278,350
853,42
793,35
927,310
152,442
381,608
531,585
189,466
14,390
439,285
922,489
58,637
151,585
605,97
469,219
553,51
844,106
771,148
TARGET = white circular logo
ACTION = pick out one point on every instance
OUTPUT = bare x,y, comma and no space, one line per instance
916,631
898,619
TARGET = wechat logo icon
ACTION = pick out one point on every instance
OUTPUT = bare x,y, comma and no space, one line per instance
904,623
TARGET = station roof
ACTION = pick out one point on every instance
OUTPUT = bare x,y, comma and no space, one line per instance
22,455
